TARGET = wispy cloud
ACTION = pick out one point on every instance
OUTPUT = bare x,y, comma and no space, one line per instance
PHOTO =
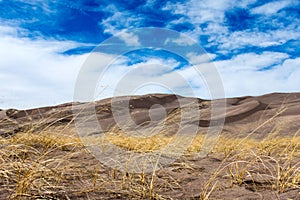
211,20
198,59
270,8
251,61
119,20
181,41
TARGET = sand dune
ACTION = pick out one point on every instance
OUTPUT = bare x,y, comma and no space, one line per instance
241,113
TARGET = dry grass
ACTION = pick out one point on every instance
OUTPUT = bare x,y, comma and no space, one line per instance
139,144
48,165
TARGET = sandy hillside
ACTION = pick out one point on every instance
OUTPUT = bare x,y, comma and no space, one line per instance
254,155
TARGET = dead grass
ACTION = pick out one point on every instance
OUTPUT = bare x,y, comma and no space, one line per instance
57,166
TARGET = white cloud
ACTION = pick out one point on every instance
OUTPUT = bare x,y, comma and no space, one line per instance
208,18
157,76
240,39
244,3
201,11
119,21
33,73
150,3
120,79
129,38
198,59
6,30
251,61
270,8
182,40
241,75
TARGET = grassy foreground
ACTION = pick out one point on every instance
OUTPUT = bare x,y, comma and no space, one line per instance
49,165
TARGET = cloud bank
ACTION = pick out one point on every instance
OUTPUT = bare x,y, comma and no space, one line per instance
253,44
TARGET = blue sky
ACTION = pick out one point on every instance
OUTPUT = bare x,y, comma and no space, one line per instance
43,43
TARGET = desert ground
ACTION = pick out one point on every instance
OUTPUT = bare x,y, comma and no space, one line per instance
44,152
